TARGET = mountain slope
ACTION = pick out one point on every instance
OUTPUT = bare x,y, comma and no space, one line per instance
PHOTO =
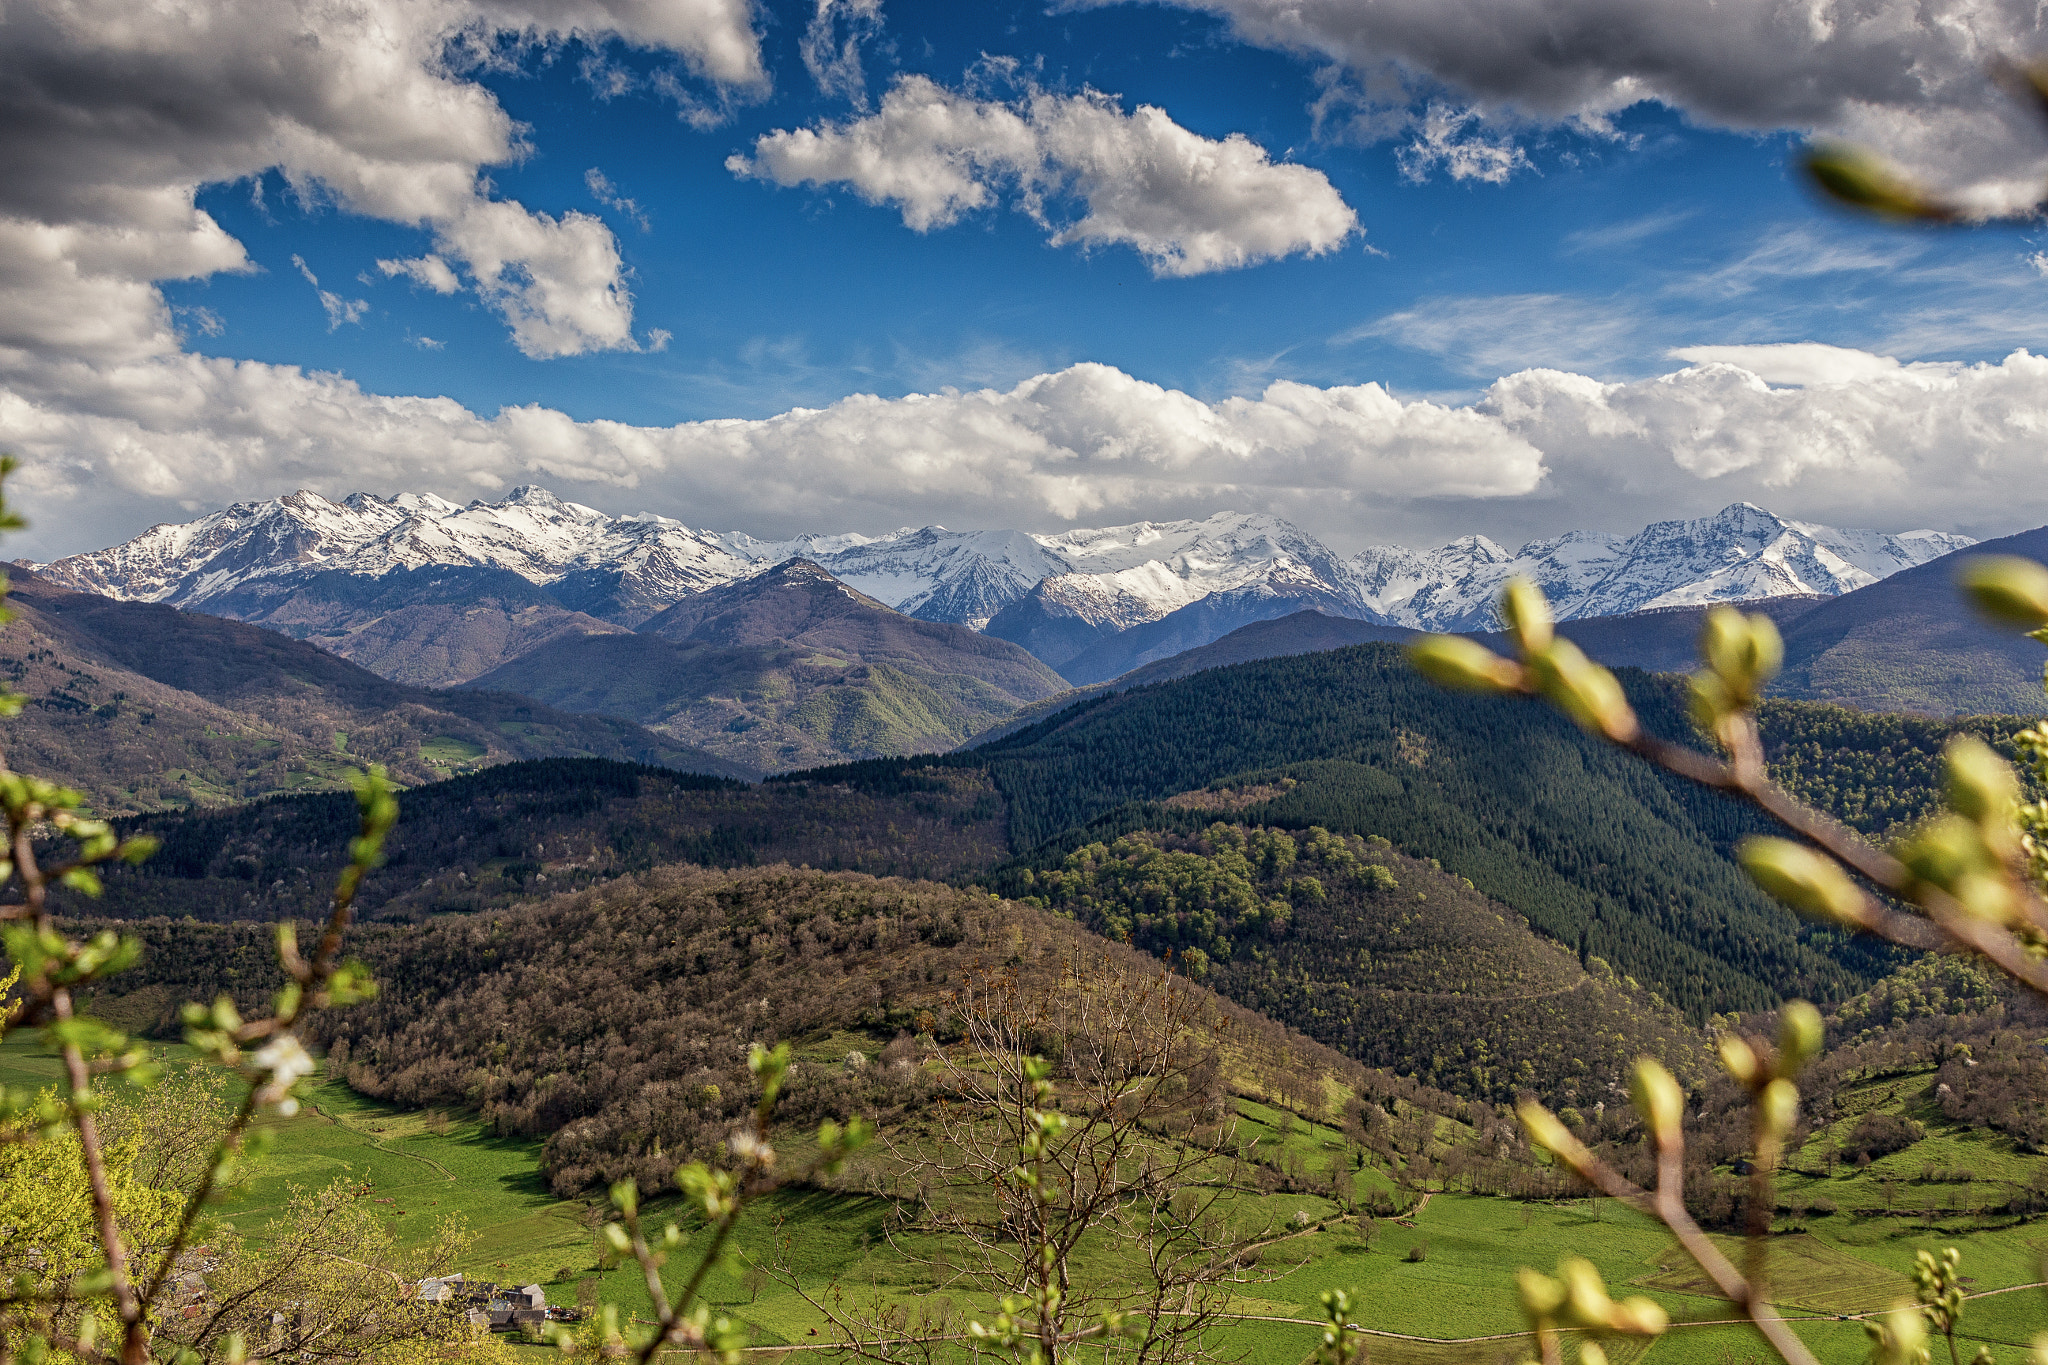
145,706
1910,644
428,626
1589,844
489,838
1384,957
1741,553
789,669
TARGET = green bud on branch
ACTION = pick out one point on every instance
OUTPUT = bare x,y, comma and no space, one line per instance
1527,616
1466,665
1800,1035
2007,589
1809,882
1860,180
1659,1100
1584,691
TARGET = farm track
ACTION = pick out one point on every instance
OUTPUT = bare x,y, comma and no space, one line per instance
446,1174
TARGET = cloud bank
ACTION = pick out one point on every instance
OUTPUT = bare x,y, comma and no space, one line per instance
1188,204
113,114
1907,76
1832,435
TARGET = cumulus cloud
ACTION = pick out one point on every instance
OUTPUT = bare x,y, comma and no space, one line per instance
1810,431
113,115
1085,442
1907,76
1188,204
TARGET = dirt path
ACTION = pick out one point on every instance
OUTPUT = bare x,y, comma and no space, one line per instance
1580,984
446,1174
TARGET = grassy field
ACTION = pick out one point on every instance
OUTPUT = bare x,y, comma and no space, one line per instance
424,1165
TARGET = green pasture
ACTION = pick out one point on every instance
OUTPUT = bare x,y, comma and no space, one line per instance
425,1165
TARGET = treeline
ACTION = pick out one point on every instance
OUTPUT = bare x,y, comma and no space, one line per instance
487,839
1389,959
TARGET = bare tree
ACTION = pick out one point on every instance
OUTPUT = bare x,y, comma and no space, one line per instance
1081,1110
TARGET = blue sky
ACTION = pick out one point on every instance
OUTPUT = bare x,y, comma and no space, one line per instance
1612,234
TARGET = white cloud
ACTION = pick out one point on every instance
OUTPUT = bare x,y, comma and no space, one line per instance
1907,76
113,115
1188,204
1081,442
559,282
1865,440
605,192
339,310
430,272
1451,140
831,47
1796,364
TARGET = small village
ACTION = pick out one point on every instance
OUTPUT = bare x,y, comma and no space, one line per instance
501,1308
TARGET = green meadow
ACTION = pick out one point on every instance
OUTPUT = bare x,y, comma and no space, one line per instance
1456,1296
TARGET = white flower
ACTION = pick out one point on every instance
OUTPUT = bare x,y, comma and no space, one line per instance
280,1063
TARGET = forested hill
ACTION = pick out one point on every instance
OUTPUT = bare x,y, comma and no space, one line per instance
1593,849
1588,843
1387,958
484,840
615,1021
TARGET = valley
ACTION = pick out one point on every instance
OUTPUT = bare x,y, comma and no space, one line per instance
1388,913
1845,1241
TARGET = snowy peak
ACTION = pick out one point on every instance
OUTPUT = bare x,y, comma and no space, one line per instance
1741,553
1077,584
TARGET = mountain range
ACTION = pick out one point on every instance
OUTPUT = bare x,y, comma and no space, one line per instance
431,593
142,706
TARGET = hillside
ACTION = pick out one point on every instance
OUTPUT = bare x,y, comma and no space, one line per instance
787,670
1589,844
1909,644
429,627
615,1020
1388,959
1662,640
486,839
145,707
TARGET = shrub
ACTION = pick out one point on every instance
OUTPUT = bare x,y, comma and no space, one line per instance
1417,1253
1877,1135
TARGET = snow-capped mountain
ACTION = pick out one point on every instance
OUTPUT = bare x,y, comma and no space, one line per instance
532,533
1057,594
1741,553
